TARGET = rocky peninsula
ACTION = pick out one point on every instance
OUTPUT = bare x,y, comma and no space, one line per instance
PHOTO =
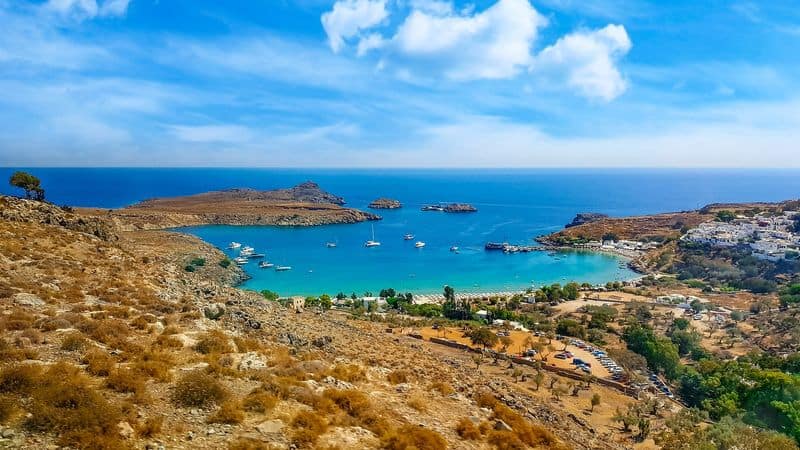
583,218
385,203
303,205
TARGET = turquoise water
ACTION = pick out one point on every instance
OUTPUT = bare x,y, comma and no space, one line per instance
514,206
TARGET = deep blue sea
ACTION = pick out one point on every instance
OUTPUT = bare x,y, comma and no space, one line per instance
514,206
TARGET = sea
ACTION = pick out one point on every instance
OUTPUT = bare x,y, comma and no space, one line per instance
514,205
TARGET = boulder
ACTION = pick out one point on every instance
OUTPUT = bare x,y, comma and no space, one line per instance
125,430
24,299
252,361
270,427
214,311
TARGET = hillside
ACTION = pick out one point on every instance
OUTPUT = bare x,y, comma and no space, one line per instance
303,205
109,341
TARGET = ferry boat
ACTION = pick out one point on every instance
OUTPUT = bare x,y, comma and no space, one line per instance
283,268
234,245
419,244
265,265
496,246
372,242
408,237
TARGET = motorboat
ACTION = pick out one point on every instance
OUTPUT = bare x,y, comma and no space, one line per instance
330,245
256,256
265,265
408,237
283,268
454,249
234,245
241,260
419,244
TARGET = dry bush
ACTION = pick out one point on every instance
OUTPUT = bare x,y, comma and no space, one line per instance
112,332
410,437
196,389
140,323
167,341
530,434
505,440
126,381
9,353
358,407
418,402
18,320
441,387
150,427
73,342
485,400
248,444
20,379
466,429
8,406
398,376
244,345
63,402
98,362
229,412
348,372
154,365
308,426
280,387
214,341
259,401
34,336
54,323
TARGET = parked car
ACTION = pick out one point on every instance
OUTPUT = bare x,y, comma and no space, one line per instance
561,356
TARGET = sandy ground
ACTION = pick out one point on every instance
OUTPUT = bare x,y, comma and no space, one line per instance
518,346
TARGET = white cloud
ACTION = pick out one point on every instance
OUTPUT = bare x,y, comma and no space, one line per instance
370,42
588,61
212,133
439,7
349,17
495,43
87,9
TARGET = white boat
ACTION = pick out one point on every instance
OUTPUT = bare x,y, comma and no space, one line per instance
408,237
372,242
265,265
419,244
454,249
330,244
234,245
283,268
256,256
241,260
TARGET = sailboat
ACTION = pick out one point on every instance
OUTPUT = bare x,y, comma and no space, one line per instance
372,242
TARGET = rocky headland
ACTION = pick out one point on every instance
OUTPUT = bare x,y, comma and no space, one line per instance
385,203
583,218
303,205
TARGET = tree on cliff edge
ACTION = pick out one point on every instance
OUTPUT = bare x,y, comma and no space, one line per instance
29,183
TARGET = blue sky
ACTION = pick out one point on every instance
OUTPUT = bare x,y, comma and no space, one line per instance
400,83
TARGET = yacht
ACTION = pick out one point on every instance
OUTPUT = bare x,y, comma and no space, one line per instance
372,242
330,244
265,265
234,245
241,260
256,256
454,249
283,268
247,251
408,237
419,244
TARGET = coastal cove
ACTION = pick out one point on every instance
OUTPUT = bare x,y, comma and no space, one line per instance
514,206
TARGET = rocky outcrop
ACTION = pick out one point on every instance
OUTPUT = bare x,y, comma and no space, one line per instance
14,209
385,203
460,208
582,218
310,192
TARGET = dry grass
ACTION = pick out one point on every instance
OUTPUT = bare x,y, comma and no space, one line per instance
398,376
441,387
229,412
214,341
307,427
20,378
348,372
8,406
467,430
410,437
126,381
151,426
259,401
99,363
196,389
418,402
73,342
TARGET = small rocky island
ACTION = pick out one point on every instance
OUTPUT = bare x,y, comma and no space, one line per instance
385,203
303,205
582,218
451,208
